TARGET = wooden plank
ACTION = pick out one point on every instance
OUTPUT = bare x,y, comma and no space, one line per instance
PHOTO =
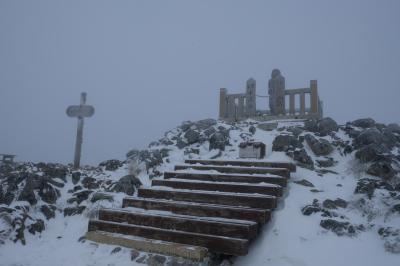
219,244
287,165
181,223
199,209
273,190
242,178
148,245
236,169
235,199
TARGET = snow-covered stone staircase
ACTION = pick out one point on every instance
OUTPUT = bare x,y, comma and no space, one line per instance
203,206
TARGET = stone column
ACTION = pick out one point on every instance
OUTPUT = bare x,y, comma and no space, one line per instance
302,103
240,110
292,110
231,108
250,97
314,96
222,103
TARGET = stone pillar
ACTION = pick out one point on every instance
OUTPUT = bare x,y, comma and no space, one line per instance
292,110
231,115
222,103
250,98
314,97
302,103
240,109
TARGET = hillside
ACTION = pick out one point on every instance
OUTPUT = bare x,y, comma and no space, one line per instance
341,207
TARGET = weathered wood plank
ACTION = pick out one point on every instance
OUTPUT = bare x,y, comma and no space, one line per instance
236,169
242,178
226,245
188,224
273,190
148,245
287,165
232,199
199,209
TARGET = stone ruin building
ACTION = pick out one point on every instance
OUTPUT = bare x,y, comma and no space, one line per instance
239,106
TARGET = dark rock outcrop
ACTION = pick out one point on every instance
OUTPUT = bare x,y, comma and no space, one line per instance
127,184
319,146
111,165
286,143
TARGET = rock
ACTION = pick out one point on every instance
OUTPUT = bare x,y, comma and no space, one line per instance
192,136
305,183
302,158
382,169
53,170
372,152
48,211
156,260
296,131
111,165
127,184
396,208
389,138
101,196
339,228
116,250
267,126
186,125
69,211
205,123
36,227
310,209
76,177
367,137
82,195
286,143
391,236
394,128
326,163
319,147
151,158
334,204
89,183
181,144
311,125
48,193
327,125
252,129
218,141
134,254
366,186
364,122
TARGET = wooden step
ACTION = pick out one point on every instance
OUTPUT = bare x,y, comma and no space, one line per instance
148,245
181,223
236,169
273,190
282,181
219,244
199,209
223,198
290,166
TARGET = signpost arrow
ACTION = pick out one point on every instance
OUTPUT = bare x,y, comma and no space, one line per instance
80,111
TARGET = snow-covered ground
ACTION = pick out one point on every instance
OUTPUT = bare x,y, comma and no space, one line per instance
290,238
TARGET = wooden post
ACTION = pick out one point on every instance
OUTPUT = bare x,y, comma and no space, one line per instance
314,96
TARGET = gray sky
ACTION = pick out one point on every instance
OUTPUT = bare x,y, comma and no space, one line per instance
149,65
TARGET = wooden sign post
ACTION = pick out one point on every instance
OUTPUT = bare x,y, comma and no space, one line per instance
80,111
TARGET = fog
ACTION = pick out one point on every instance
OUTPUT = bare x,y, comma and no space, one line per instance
148,65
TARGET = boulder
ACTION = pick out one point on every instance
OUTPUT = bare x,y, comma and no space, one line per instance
319,146
101,196
286,143
395,128
305,183
76,177
364,122
90,183
218,141
302,158
82,195
36,227
334,204
127,184
268,126
209,131
252,129
69,211
368,136
205,123
382,169
327,125
372,152
340,228
186,125
48,211
181,144
192,136
326,163
111,165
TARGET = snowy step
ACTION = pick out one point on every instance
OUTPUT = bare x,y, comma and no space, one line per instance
181,223
199,209
290,166
242,178
237,169
148,245
219,244
266,189
223,198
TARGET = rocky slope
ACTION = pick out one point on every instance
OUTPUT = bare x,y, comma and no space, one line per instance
347,188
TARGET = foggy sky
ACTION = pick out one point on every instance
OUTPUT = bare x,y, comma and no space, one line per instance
149,65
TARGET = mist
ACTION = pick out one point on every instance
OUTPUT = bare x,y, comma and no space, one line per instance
149,65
